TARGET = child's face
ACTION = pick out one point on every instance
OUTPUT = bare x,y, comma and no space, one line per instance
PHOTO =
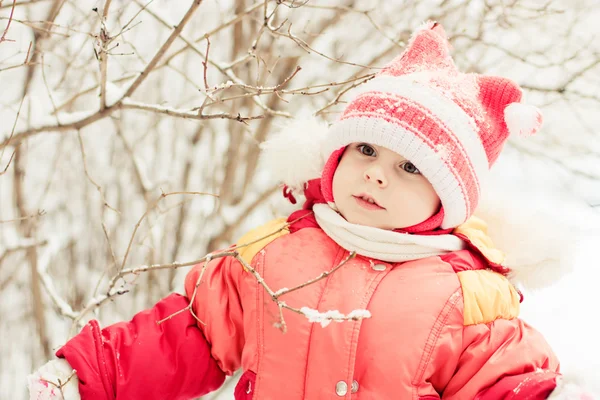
403,197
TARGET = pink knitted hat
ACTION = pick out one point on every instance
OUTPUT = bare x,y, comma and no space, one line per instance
450,125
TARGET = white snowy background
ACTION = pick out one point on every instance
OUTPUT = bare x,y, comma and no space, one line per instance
66,220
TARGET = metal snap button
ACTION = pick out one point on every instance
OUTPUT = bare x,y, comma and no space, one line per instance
378,267
341,388
354,386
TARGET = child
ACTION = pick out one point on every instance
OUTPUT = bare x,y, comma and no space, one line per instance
403,172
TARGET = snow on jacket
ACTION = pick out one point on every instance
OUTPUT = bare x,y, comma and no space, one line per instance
441,327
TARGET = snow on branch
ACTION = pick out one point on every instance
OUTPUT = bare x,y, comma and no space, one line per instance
54,246
325,318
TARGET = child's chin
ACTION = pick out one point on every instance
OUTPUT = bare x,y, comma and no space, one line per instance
360,220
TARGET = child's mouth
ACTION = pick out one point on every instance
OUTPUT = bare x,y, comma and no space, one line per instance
367,203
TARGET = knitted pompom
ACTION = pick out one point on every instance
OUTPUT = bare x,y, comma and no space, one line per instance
293,154
523,119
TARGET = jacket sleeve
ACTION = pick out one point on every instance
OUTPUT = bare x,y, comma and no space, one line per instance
503,359
141,359
217,302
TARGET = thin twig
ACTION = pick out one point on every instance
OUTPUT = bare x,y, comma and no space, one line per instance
137,225
323,275
208,259
221,68
174,34
91,89
7,142
87,173
301,91
233,20
25,245
228,252
10,17
16,66
205,64
48,89
102,55
232,252
191,114
48,28
36,215
229,228
142,8
306,47
93,304
341,93
281,304
110,248
20,3
60,384
144,185
28,53
556,160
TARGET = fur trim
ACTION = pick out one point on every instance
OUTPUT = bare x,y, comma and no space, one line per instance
539,248
294,154
523,119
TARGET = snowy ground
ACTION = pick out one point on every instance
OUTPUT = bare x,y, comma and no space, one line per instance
567,315
566,311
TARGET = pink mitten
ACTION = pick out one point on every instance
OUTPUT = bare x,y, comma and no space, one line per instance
55,380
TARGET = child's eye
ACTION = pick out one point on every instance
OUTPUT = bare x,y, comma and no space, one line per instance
410,168
366,150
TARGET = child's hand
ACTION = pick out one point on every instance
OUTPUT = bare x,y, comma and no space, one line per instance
55,380
570,391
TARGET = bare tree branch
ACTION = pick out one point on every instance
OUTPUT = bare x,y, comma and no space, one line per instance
38,38
38,214
231,21
133,105
161,51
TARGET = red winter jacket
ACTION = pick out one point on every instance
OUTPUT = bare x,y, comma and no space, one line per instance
442,327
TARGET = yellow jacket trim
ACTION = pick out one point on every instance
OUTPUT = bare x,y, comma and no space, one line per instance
257,239
487,296
476,230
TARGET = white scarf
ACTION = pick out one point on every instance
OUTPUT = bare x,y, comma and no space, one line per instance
382,244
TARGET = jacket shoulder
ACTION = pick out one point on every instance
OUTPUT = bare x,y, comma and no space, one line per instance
257,239
487,296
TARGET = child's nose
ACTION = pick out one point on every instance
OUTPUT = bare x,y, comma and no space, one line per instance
376,175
